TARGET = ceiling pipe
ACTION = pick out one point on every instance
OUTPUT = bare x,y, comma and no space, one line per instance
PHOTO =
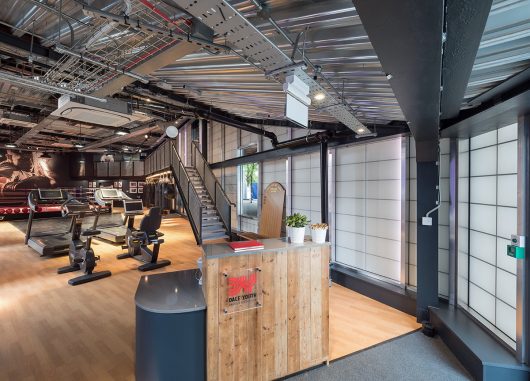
61,15
18,80
206,113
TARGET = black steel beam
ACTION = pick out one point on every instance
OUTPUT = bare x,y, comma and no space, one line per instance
491,115
407,37
519,81
307,144
465,22
324,182
25,44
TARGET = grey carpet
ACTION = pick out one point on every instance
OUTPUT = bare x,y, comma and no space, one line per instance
411,357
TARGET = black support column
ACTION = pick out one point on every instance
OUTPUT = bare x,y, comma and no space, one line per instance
203,133
523,228
427,238
324,211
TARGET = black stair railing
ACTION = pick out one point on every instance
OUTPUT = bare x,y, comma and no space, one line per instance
192,202
213,187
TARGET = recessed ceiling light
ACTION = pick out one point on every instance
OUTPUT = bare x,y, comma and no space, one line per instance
320,96
360,130
146,136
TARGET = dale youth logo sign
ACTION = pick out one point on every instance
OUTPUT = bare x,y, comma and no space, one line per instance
243,291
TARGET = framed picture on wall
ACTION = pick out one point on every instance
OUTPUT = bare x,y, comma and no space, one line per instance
141,184
133,190
140,190
115,184
120,184
133,184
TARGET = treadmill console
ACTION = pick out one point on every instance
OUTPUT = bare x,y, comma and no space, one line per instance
133,207
105,196
47,200
51,195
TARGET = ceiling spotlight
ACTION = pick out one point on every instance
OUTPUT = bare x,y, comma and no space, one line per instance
146,136
126,148
11,145
360,130
319,96
389,76
122,132
78,145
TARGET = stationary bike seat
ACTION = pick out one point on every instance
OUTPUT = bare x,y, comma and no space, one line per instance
90,232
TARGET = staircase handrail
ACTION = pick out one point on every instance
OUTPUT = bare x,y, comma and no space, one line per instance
197,227
206,170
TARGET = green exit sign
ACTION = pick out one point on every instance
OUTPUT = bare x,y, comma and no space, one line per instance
515,251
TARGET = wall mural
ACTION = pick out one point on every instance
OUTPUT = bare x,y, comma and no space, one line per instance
20,170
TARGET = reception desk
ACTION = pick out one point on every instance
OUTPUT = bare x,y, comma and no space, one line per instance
267,310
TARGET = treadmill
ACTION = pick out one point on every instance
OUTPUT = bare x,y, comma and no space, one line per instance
47,243
115,233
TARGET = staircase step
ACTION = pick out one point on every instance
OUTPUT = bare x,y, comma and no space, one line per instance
219,227
205,239
217,235
211,221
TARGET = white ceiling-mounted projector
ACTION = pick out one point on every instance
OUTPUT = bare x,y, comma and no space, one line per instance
297,101
113,112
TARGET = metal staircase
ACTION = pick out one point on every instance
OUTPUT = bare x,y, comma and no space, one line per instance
212,226
207,206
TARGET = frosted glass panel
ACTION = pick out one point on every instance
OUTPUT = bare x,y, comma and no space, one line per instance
490,278
484,162
368,207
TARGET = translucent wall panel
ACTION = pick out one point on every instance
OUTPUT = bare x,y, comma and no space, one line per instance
492,187
463,221
368,207
443,221
306,186
412,215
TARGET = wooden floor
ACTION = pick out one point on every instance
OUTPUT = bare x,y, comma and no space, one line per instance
52,331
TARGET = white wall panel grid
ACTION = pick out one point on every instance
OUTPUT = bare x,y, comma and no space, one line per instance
368,202
487,214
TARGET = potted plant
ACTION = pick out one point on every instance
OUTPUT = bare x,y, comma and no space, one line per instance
296,224
318,232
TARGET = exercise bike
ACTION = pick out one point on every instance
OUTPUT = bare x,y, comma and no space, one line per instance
138,240
81,255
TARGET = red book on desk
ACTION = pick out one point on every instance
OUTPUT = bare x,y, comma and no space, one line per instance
246,245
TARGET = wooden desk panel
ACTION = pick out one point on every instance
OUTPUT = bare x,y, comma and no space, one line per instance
289,333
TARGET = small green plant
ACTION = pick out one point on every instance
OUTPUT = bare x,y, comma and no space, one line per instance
297,220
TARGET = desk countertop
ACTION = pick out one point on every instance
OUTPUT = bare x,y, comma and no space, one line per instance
220,250
170,293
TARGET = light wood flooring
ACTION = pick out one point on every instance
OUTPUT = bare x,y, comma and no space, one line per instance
52,331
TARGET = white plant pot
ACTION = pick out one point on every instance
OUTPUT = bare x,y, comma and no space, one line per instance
318,235
296,235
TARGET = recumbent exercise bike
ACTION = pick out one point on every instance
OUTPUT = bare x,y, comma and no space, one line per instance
81,255
138,240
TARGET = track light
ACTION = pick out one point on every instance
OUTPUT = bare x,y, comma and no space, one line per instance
121,132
